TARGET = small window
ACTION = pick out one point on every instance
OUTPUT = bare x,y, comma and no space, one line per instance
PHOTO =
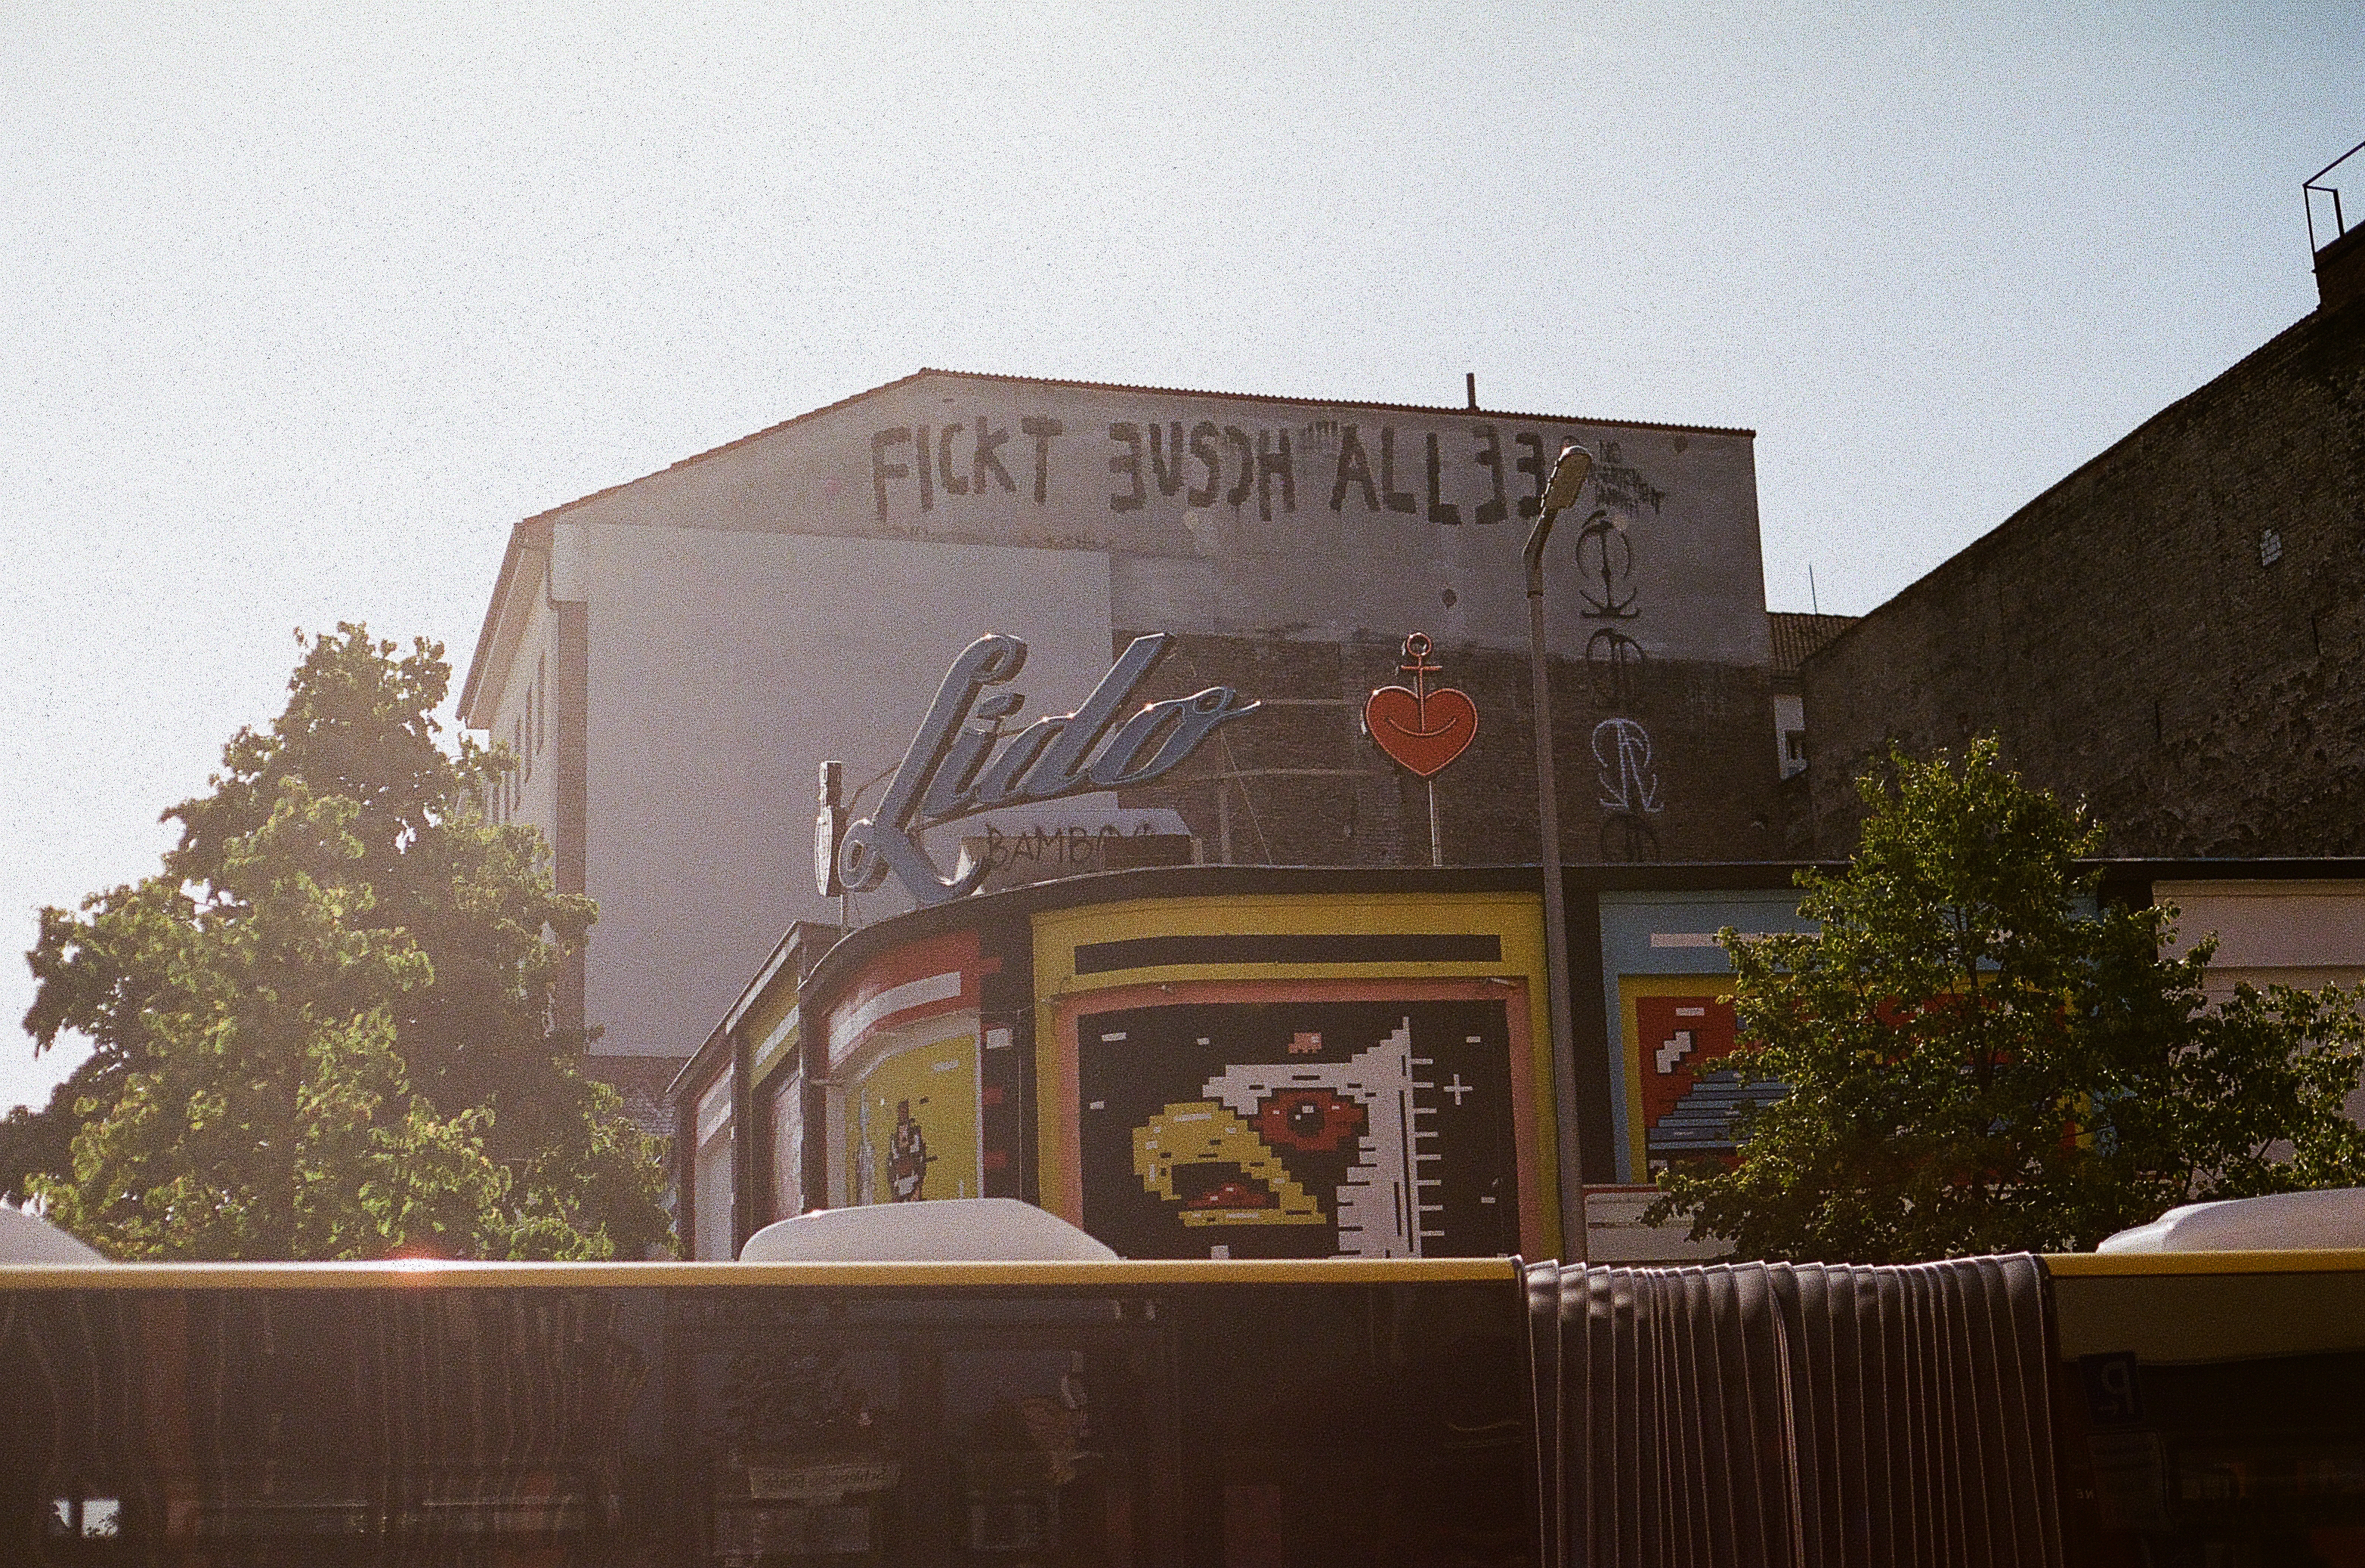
86,1518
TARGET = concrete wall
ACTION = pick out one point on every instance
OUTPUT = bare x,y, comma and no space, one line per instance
1263,523
2171,632
2280,931
520,719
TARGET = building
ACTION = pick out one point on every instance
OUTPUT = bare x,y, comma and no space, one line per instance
2172,633
1309,1060
672,659
1251,1061
1236,1061
1795,639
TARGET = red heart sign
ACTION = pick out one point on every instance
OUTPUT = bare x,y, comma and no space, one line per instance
1422,732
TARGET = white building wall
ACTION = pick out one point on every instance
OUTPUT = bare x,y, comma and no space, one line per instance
2290,932
725,667
1790,732
1283,562
523,719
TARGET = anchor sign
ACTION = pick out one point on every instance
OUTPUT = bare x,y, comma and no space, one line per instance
1422,729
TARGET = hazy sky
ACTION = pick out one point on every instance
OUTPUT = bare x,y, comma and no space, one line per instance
302,311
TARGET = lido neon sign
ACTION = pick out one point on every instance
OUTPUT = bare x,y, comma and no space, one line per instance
958,768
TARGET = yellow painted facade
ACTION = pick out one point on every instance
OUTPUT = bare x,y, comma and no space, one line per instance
918,1103
1514,920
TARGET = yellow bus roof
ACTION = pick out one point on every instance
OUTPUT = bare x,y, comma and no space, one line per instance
2104,1265
418,1274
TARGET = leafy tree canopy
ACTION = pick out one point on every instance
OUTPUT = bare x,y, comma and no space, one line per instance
1979,1059
323,1030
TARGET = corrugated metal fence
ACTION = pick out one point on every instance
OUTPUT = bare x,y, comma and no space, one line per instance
1801,1414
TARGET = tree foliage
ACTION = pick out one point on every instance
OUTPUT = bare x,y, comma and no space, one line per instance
1979,1059
323,1030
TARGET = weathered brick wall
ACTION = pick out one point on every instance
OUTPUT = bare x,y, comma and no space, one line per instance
1307,786
2173,632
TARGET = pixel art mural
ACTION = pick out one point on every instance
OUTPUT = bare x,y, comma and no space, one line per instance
1300,1129
912,1126
1678,1043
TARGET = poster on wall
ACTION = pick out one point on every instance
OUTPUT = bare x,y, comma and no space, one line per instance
1300,1129
912,1124
789,1147
1688,1093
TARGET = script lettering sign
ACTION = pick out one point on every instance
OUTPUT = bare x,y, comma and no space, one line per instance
957,767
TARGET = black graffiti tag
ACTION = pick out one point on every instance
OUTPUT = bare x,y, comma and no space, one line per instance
1626,838
1615,661
933,464
1603,551
1622,485
1207,464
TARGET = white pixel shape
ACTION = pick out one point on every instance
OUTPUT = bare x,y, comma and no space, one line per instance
1377,1215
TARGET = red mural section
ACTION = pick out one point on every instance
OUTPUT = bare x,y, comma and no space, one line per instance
1689,1092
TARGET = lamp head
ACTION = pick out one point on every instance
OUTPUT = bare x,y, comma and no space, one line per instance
1568,477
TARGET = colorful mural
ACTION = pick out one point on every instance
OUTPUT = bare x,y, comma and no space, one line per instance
788,1103
912,1124
1663,975
1301,1128
1298,1075
1679,1030
1265,1063
910,1088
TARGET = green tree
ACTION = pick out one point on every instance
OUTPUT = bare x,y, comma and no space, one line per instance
1979,1059
323,1030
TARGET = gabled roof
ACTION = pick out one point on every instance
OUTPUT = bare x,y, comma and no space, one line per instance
926,371
531,534
1799,637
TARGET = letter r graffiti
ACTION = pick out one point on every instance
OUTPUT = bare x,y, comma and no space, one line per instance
1622,747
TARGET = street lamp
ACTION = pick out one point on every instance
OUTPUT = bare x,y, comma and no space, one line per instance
1568,477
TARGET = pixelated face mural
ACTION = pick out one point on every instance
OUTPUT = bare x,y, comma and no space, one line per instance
1298,1130
1688,1094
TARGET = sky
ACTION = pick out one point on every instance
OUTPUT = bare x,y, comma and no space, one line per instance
304,308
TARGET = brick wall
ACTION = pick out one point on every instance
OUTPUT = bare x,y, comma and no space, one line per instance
2173,632
1307,788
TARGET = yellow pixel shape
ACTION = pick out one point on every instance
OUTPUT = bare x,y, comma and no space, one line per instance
1201,1132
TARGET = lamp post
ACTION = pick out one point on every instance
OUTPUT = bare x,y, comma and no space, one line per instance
1568,477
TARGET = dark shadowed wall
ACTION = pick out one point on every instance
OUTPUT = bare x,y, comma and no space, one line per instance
2172,633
